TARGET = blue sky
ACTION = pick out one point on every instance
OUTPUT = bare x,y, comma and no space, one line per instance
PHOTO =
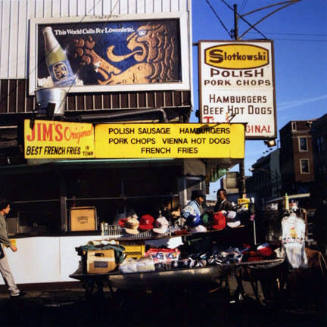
299,33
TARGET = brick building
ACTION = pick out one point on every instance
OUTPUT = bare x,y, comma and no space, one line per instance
296,157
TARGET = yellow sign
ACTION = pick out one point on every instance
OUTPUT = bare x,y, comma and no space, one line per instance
56,139
169,141
237,56
244,202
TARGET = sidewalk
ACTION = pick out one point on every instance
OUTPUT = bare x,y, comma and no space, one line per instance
69,307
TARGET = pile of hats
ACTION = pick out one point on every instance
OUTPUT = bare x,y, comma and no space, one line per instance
260,252
221,219
132,225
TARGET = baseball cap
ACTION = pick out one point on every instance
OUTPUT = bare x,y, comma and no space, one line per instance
131,225
232,219
146,222
219,221
199,229
231,214
122,222
161,225
265,250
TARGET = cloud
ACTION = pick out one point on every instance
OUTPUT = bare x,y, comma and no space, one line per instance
296,103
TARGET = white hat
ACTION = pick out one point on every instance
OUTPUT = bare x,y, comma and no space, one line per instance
131,225
231,214
161,225
233,224
232,220
199,229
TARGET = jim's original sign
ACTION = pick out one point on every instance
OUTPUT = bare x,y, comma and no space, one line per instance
55,139
169,141
236,82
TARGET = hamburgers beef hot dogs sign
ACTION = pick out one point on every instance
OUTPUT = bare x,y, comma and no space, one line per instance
236,83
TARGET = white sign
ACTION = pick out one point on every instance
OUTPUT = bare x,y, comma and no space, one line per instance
236,82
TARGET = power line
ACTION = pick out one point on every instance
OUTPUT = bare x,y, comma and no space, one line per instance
297,39
299,34
241,17
301,40
217,16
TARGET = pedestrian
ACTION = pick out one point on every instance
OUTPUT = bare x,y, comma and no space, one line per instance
5,242
222,203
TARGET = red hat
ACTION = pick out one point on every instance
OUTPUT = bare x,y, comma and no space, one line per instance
219,221
265,250
122,222
146,222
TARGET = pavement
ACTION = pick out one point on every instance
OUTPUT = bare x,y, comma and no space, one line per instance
69,306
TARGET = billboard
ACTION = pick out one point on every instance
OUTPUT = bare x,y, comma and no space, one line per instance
123,54
236,83
169,141
58,140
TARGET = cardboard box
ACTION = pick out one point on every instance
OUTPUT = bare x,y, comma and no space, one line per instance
101,261
83,219
133,250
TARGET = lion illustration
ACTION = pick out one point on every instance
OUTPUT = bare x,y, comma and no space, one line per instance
154,48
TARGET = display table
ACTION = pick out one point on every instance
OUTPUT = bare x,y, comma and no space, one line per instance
179,277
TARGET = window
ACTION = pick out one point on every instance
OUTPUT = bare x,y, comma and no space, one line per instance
293,125
304,165
303,144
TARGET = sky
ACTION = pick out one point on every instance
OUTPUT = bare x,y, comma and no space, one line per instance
299,34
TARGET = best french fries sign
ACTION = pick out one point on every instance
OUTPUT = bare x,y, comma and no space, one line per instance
57,139
236,83
169,141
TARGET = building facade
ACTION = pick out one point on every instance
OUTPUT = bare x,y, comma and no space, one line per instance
296,157
319,145
265,182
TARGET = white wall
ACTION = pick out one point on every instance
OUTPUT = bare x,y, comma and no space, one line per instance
45,259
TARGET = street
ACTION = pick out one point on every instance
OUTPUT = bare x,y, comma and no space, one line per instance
69,307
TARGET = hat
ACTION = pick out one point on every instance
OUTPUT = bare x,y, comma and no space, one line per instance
146,222
197,194
118,218
199,229
232,219
122,222
161,225
131,225
219,221
233,224
231,214
205,219
265,250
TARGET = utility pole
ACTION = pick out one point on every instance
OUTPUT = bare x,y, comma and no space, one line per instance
235,22
242,188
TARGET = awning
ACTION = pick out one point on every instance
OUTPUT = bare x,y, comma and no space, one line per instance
215,168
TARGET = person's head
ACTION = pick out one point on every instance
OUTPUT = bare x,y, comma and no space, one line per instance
4,207
221,194
198,196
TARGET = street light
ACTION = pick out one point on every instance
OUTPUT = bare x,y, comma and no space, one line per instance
270,143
